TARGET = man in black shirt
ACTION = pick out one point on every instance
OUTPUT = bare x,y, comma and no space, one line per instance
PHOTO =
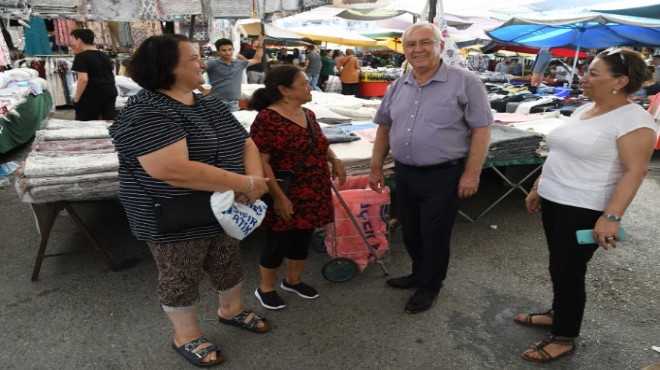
96,92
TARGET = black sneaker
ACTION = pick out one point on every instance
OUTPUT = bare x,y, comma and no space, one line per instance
270,300
302,289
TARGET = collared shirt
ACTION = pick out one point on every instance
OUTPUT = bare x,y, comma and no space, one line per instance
225,79
431,123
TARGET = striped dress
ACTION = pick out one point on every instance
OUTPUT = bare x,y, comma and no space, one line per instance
151,121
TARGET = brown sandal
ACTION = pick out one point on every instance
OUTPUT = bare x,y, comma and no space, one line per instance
545,356
528,319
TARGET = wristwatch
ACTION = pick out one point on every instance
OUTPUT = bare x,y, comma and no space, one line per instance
610,217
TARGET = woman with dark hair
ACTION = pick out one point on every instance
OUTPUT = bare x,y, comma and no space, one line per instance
289,138
597,161
171,142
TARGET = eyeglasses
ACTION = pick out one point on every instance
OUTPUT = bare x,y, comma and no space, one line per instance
422,43
622,56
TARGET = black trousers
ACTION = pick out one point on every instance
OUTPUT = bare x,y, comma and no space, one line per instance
568,263
89,109
428,205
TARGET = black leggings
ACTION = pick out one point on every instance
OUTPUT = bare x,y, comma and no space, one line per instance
291,244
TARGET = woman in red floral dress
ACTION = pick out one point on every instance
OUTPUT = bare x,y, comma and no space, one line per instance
289,138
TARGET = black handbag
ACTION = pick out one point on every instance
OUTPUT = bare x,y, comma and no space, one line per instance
284,178
183,212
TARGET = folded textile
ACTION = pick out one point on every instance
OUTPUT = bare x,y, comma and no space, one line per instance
86,190
335,121
540,126
42,165
322,112
520,117
74,146
361,113
511,143
74,192
57,124
31,182
338,135
72,133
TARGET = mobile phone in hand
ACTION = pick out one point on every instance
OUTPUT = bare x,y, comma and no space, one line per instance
587,236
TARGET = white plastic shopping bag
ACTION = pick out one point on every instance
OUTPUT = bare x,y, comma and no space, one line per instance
237,219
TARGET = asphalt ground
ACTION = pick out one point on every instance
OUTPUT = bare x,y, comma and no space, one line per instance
82,315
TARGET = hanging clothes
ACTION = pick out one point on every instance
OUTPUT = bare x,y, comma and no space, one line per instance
125,37
150,10
180,7
63,28
36,38
140,31
200,31
233,8
101,32
115,10
5,56
6,35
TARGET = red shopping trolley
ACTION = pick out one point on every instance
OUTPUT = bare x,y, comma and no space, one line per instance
359,234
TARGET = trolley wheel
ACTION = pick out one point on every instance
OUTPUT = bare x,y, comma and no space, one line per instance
339,270
317,242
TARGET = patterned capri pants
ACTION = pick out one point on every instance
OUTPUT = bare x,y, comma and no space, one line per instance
180,266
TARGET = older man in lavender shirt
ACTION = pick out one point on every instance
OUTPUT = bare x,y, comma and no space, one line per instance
436,121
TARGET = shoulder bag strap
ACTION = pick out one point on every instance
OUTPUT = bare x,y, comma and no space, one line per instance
310,130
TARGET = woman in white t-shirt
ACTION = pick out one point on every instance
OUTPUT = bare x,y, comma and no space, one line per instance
597,161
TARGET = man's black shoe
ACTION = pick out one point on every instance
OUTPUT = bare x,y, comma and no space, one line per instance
421,301
403,282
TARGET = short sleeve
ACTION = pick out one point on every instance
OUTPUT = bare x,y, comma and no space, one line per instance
80,64
146,130
477,110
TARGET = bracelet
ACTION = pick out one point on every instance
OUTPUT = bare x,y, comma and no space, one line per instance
250,186
335,159
533,188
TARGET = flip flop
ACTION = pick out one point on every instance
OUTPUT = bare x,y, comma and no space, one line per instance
196,358
239,321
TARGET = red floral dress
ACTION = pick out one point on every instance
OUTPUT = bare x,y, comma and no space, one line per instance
288,144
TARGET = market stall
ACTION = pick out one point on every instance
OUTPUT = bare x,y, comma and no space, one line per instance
375,82
18,129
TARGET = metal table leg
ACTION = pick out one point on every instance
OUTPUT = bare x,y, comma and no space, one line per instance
513,186
45,215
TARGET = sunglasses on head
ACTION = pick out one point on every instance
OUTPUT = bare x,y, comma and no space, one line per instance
622,56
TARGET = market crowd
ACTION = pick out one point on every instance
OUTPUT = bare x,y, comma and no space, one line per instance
435,121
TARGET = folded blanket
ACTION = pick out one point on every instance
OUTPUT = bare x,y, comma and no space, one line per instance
339,135
361,113
72,134
41,165
74,146
56,124
31,182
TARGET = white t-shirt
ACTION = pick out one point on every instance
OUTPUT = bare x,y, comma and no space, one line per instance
583,167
